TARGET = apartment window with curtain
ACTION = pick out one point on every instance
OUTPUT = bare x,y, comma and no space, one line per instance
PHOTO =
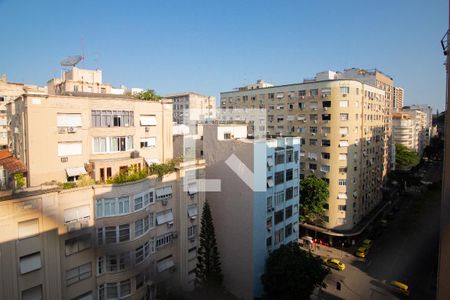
112,118
345,90
112,144
343,116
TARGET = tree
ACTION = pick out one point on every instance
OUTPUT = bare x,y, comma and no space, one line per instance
147,95
208,271
404,157
292,273
313,196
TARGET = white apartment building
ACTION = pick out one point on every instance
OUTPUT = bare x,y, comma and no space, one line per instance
186,103
251,220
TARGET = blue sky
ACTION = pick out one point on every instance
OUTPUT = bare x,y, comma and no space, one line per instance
213,46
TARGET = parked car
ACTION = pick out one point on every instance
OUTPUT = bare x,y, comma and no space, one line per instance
334,263
362,252
367,243
400,287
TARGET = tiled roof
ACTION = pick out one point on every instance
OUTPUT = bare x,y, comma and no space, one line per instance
10,163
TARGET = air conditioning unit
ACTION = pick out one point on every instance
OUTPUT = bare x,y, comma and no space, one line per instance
324,95
134,154
344,95
170,224
343,135
147,129
64,159
314,108
315,121
313,134
61,130
325,108
71,130
164,202
325,134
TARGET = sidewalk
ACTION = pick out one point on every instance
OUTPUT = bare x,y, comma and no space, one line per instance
325,251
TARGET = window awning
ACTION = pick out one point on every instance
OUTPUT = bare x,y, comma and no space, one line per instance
165,264
270,161
192,211
164,217
76,213
161,192
150,161
68,120
192,188
343,144
75,171
147,120
342,196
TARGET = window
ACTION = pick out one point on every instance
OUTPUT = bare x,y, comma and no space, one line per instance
148,142
326,130
144,199
192,211
289,157
342,207
342,182
125,288
112,144
279,236
28,228
269,202
326,104
279,157
68,120
343,144
302,93
343,131
124,232
70,148
279,216
164,217
84,296
313,92
312,166
288,230
144,251
343,116
326,143
112,206
325,155
34,293
289,193
77,244
112,118
340,221
313,129
29,263
343,103
164,240
279,198
342,169
110,235
289,174
288,211
141,226
313,117
313,142
342,156
79,273
326,117
295,193
345,90
279,177
325,168
192,231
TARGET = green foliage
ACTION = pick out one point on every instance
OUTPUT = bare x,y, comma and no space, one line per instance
292,273
68,185
313,196
20,180
164,168
404,157
149,95
208,271
132,174
85,180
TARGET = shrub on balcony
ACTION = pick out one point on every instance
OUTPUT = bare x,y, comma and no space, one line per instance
20,180
164,168
132,174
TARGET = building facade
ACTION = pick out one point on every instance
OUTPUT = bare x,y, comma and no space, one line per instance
102,240
342,124
403,128
255,214
186,103
399,98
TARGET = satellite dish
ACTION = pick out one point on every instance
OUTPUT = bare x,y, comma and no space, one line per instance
71,61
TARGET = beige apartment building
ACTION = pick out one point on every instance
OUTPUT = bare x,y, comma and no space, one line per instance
8,92
102,241
186,103
343,124
399,98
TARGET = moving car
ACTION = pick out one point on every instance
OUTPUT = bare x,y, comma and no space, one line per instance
400,287
334,263
362,252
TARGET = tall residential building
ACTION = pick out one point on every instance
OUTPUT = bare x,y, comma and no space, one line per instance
186,103
428,111
403,128
254,213
399,98
422,131
342,123
8,92
103,240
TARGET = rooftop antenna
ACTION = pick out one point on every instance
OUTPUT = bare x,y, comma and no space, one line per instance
71,61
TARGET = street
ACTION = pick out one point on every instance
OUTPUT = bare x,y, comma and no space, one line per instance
407,251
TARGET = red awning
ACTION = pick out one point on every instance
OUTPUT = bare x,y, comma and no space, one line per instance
10,163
